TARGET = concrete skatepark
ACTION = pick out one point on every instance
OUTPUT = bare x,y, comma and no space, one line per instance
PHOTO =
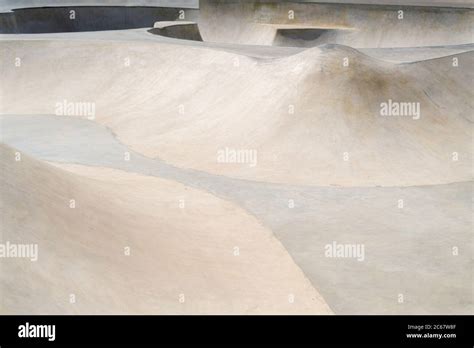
214,151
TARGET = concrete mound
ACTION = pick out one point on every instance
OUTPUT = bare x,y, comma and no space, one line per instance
307,118
180,260
184,174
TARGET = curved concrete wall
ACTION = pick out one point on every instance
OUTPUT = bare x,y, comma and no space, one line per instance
8,5
257,22
60,19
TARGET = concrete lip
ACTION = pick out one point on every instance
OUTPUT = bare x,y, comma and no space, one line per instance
177,29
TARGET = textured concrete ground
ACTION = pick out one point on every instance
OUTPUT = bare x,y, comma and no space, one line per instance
251,237
421,261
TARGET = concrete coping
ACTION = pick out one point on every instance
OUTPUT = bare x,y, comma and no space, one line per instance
164,24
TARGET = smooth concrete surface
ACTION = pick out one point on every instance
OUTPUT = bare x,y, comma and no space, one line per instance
301,99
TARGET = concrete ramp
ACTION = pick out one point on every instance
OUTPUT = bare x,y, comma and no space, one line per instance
265,22
86,18
264,157
177,30
246,289
294,93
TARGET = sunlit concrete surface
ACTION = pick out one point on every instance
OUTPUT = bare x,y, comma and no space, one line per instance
237,157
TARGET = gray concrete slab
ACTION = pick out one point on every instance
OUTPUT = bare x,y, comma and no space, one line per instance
408,251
